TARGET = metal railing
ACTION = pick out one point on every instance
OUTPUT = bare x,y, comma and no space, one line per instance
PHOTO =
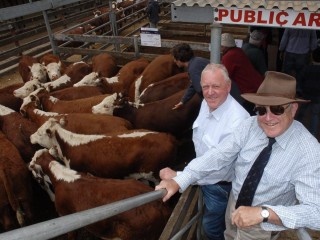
68,223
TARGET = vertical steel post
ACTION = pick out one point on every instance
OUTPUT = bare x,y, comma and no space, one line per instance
215,43
50,34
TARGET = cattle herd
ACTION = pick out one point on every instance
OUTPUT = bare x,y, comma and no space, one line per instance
88,133
99,23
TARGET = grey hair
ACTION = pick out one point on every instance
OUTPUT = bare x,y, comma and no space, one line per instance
213,67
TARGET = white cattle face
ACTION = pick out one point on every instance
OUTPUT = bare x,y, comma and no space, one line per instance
45,135
27,88
54,70
107,105
32,97
89,80
38,72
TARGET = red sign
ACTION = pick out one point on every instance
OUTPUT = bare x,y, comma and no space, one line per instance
275,18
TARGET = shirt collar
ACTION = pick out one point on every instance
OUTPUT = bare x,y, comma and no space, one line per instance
218,113
284,139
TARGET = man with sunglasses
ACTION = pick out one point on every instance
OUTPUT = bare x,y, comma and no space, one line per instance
287,196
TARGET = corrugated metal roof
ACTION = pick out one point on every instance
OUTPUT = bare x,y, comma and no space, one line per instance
312,6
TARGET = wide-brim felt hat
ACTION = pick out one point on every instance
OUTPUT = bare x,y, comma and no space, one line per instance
276,89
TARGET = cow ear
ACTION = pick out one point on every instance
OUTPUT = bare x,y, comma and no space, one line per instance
63,121
49,133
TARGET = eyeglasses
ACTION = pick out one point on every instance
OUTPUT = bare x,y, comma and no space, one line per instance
276,110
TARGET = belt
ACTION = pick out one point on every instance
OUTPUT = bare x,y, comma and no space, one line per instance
224,183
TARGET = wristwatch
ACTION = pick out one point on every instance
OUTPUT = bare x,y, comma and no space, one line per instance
265,213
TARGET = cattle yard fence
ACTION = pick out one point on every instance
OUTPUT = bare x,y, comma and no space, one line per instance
65,224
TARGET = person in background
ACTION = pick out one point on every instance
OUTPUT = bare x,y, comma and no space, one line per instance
310,85
153,11
219,115
267,40
286,193
295,48
240,69
184,58
254,51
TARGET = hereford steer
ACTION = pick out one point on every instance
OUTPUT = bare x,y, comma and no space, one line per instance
18,130
165,88
121,82
27,88
16,190
30,69
82,105
156,116
160,68
53,65
77,31
104,64
72,93
73,74
144,222
112,156
89,123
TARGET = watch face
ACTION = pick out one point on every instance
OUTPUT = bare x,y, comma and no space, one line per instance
265,213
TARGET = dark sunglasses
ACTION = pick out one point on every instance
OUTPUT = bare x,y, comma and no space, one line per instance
276,110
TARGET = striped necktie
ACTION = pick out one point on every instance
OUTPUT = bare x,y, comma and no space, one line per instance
252,180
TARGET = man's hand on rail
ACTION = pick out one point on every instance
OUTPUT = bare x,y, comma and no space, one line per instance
171,186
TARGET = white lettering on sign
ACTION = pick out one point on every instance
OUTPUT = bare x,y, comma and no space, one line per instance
275,18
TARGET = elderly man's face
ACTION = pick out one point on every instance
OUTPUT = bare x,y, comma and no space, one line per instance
215,88
274,125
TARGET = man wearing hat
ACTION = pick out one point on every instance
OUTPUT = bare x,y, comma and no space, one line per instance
240,69
276,167
254,52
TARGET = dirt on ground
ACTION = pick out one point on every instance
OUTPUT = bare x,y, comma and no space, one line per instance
10,78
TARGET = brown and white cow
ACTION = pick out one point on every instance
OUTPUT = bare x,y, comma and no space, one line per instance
112,156
77,31
16,208
53,65
165,88
82,105
158,69
84,123
27,88
121,82
18,130
30,69
104,64
144,222
156,116
73,74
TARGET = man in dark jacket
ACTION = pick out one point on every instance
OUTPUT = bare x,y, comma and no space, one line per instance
153,10
310,85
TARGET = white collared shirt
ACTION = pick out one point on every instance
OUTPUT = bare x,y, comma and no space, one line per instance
211,127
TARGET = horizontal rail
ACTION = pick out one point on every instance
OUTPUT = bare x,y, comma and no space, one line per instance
31,8
65,224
